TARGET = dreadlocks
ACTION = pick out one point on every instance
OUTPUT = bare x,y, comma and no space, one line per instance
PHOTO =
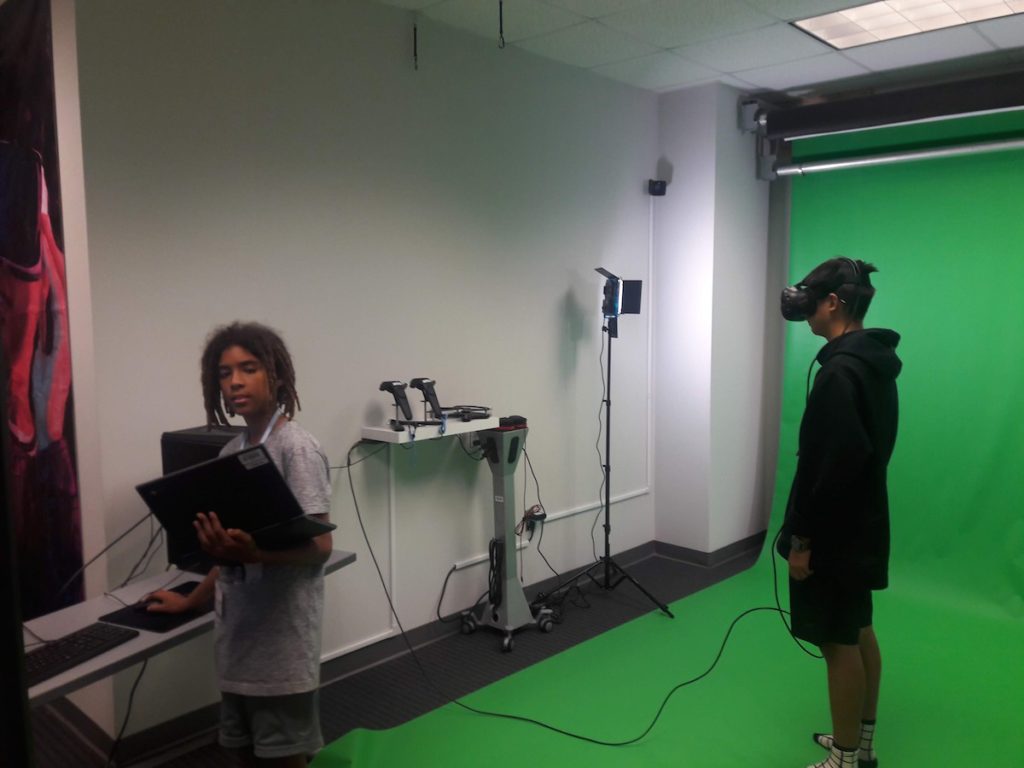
263,343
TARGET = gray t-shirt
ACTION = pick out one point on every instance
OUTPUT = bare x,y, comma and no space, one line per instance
269,617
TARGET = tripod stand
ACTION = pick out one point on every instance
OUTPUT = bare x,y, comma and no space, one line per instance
613,573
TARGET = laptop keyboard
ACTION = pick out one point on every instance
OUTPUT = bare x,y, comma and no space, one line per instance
71,650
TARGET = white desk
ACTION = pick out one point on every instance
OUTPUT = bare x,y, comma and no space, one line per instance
62,622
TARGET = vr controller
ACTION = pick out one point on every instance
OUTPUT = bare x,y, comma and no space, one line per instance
397,390
426,386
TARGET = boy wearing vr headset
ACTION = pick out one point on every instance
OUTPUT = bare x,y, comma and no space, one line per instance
836,530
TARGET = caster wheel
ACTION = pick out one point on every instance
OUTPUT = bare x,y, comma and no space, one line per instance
546,625
468,626
507,644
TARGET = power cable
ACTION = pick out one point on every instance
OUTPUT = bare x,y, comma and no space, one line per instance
131,697
77,573
520,718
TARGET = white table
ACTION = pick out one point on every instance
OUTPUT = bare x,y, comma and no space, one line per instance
67,620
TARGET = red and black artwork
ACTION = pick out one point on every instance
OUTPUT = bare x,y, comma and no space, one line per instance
34,338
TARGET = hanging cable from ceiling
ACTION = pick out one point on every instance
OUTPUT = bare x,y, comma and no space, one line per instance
501,23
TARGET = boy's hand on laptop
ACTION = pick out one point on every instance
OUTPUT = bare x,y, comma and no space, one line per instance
232,544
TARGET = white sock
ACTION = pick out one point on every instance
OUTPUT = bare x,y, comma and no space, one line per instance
838,758
867,740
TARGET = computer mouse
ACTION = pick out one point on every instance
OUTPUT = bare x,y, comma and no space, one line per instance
143,605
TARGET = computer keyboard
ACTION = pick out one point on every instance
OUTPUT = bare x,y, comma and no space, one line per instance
71,650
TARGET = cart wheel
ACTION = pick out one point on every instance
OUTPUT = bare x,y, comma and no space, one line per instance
546,625
507,644
468,626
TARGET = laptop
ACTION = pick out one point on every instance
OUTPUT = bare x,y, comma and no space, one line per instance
245,489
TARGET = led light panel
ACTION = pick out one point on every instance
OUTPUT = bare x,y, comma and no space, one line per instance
874,22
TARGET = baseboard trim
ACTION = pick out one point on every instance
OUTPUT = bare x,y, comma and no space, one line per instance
711,559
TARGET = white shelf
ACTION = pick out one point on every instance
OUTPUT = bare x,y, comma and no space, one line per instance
386,434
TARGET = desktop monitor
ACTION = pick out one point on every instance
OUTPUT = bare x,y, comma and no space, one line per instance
185,448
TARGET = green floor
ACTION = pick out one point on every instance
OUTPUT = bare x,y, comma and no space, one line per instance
953,694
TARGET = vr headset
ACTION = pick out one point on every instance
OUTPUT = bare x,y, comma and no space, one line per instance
800,301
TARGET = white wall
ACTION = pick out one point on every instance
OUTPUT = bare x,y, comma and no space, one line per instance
246,161
710,268
684,279
738,443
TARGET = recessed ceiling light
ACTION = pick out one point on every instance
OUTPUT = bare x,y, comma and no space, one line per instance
864,24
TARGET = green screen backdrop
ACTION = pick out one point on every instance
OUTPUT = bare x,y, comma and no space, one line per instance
948,238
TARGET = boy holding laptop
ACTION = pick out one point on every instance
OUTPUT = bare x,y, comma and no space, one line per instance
268,604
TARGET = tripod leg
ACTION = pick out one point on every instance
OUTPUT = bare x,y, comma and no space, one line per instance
624,575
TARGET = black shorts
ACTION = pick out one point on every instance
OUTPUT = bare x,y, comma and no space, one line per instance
826,611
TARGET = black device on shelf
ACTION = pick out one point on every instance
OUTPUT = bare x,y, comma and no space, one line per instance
71,650
451,412
182,448
185,447
397,390
426,386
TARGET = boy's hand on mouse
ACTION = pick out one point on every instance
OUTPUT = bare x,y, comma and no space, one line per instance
164,601
232,544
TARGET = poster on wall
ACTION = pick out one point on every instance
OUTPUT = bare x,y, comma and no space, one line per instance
42,488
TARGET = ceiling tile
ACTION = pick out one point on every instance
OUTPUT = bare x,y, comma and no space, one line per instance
741,42
523,18
1005,33
741,85
658,72
817,69
594,9
587,45
920,49
672,23
791,10
759,48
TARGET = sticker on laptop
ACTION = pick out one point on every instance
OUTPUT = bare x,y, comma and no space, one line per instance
253,459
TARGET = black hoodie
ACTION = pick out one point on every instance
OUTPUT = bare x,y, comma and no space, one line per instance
839,497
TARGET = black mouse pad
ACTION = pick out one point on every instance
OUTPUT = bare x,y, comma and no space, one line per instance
137,617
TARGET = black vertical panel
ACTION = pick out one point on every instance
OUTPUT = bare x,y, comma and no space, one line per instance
941,100
15,731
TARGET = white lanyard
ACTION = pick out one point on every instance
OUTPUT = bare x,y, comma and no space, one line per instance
266,432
